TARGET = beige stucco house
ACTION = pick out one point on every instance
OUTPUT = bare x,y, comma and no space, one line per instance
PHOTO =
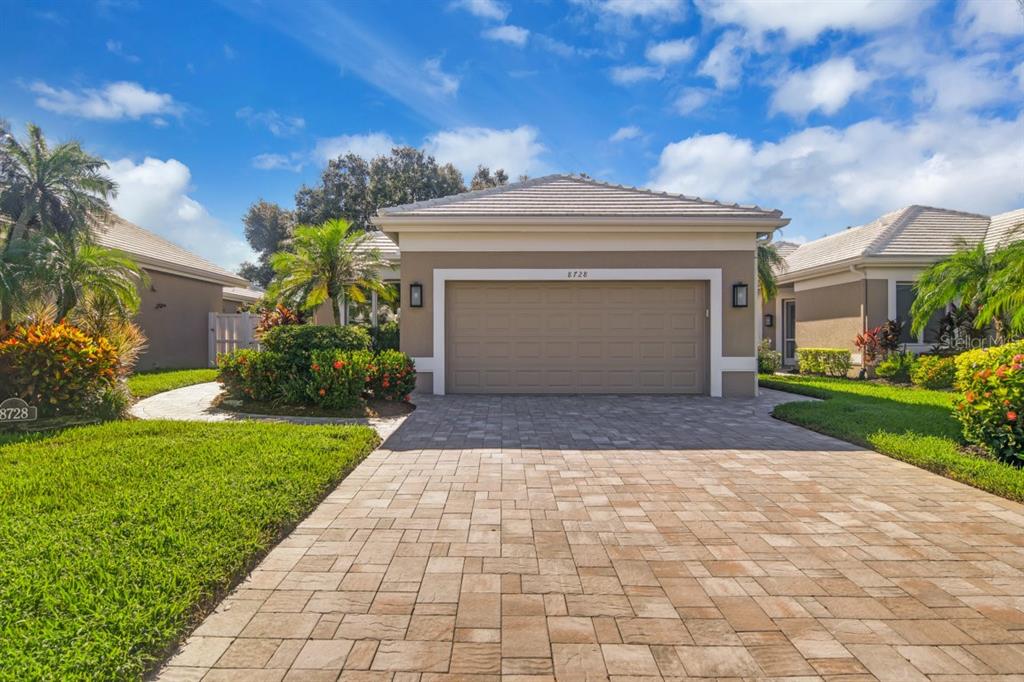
562,284
835,287
183,289
237,299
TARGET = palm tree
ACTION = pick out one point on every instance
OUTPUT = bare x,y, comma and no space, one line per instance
21,276
1004,296
327,262
965,276
58,190
76,269
769,264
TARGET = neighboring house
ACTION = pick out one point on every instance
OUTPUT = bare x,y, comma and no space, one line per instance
562,284
238,298
183,290
389,251
836,287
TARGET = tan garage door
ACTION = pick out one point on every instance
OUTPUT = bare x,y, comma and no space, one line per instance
576,337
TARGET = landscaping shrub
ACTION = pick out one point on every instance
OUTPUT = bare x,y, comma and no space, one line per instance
58,368
279,316
252,374
880,342
991,386
833,362
933,371
768,360
896,367
392,376
297,343
385,337
338,378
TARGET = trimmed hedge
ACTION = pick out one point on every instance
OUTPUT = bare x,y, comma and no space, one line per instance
296,343
933,371
833,362
991,386
768,360
896,367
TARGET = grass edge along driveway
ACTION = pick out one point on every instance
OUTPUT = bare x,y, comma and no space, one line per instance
146,384
119,538
914,425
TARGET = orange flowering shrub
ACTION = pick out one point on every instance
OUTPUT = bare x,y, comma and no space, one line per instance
338,377
392,376
990,404
57,368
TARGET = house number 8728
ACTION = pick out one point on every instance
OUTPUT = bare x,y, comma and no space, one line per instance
577,274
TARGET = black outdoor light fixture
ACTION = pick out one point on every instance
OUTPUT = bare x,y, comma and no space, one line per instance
769,320
416,295
739,295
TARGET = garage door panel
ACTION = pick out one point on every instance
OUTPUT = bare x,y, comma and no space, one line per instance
570,337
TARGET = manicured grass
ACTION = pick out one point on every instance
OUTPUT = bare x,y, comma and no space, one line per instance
911,424
145,384
117,538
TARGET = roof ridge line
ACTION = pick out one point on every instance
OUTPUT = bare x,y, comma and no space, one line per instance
687,197
882,240
472,193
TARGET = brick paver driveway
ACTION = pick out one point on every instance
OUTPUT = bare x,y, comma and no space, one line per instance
595,536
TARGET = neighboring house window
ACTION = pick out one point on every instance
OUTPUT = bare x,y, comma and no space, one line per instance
905,296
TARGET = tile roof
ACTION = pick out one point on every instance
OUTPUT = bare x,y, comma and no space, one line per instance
912,231
242,294
150,249
1005,227
383,243
570,195
785,248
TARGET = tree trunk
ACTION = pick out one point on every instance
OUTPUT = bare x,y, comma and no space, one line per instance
336,310
20,227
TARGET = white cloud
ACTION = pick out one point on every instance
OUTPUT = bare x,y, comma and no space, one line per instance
803,21
671,51
513,35
368,146
966,83
724,62
625,133
438,82
112,102
116,48
485,9
692,99
628,75
278,125
643,9
858,172
154,194
290,162
826,87
516,150
976,18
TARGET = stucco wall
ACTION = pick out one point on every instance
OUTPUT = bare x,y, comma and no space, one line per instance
738,324
175,318
830,317
877,302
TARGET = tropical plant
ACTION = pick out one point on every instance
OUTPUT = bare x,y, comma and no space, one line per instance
896,367
328,263
933,371
21,279
76,268
58,189
769,264
1004,301
878,343
101,315
990,405
769,360
965,276
279,315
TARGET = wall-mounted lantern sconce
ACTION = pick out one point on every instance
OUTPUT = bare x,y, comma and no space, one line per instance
769,320
416,295
739,295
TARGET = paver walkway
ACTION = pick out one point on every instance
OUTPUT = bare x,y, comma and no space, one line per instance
594,537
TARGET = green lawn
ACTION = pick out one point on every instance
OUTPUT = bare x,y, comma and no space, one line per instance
145,384
912,424
115,539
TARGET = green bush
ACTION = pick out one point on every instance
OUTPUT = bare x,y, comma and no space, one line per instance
385,337
768,360
57,368
392,376
297,342
990,383
933,371
896,367
833,362
252,374
338,379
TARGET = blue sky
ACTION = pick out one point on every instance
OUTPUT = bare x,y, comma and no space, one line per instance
834,112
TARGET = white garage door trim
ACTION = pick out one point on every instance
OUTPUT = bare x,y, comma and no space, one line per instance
713,276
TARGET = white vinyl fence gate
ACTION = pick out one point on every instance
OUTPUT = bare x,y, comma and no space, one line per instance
231,331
